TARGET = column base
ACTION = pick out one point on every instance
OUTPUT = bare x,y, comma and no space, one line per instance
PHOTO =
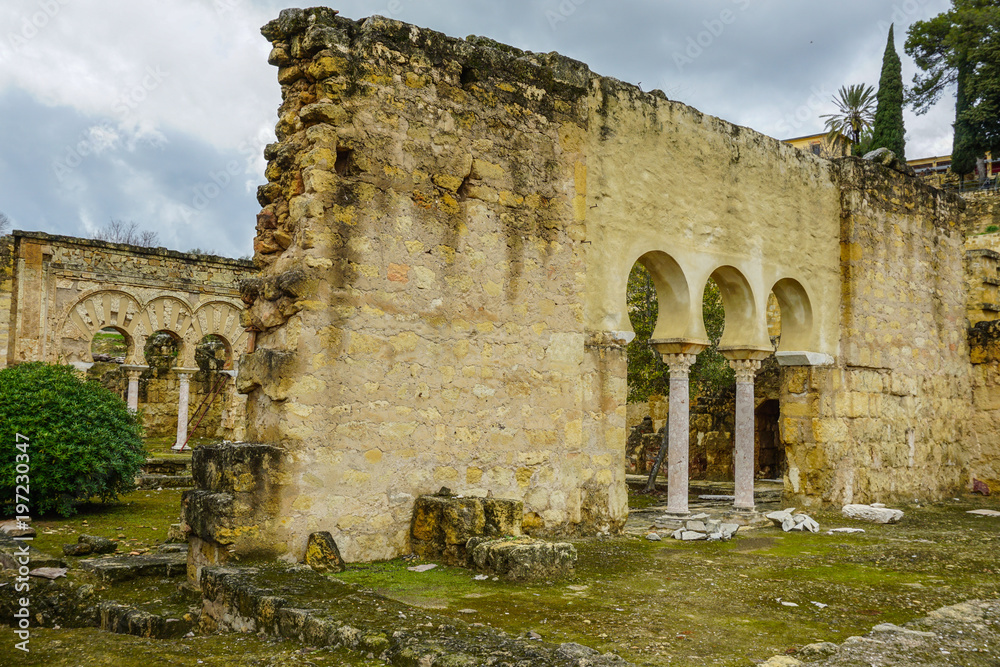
671,514
744,510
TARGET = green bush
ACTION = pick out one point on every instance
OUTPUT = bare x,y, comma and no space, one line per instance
82,441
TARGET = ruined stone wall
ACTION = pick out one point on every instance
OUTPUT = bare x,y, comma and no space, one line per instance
889,420
984,439
6,285
982,216
446,237
67,289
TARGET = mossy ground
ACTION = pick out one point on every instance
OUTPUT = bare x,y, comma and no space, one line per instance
139,521
86,648
695,603
655,603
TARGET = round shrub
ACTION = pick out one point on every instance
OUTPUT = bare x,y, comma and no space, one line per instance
82,441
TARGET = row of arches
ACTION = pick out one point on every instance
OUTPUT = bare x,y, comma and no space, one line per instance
746,327
162,321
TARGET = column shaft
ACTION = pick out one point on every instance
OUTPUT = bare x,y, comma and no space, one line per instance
182,409
744,456
133,390
678,430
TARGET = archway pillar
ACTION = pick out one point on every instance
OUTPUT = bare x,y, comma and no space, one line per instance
183,398
133,371
746,363
678,355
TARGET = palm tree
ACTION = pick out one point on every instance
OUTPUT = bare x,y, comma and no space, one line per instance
855,112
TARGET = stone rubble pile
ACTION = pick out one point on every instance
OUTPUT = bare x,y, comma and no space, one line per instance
698,529
876,513
787,521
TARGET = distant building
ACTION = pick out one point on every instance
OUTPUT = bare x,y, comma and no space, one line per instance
822,145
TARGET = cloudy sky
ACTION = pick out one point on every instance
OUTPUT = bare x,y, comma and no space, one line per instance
157,111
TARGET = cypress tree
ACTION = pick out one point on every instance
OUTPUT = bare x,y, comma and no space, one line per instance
963,151
888,130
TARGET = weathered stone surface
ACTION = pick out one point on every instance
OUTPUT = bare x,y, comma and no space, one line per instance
522,559
90,544
123,568
321,611
442,525
873,514
15,528
322,553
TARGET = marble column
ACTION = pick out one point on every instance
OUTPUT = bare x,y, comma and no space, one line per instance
744,459
133,389
182,409
678,430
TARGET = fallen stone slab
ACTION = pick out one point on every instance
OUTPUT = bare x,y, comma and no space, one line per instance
834,531
48,572
962,634
872,513
166,482
16,528
90,544
984,512
11,553
521,559
123,568
128,620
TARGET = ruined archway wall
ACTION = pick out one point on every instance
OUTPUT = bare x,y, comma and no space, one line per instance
893,418
65,289
661,175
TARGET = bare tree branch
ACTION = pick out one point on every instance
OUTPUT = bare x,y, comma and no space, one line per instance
4,223
118,231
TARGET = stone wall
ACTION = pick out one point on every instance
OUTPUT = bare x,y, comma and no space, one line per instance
446,236
6,285
889,420
67,289
982,214
447,232
984,441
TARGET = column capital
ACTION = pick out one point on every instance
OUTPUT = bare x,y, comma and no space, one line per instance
679,365
133,373
745,368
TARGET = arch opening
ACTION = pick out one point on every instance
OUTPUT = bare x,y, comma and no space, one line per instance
739,305
110,345
213,353
795,319
162,350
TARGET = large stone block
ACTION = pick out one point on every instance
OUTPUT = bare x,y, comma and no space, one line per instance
522,559
442,525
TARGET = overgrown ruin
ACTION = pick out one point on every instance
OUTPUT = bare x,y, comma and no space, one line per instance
445,239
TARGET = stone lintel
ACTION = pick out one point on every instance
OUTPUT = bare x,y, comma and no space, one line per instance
797,358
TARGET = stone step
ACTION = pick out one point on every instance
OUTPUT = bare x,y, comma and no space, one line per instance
124,619
166,481
124,568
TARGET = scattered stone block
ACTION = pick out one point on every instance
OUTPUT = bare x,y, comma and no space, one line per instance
522,559
979,486
442,525
48,572
653,537
176,534
984,512
690,535
696,525
817,650
834,531
90,544
15,528
789,522
423,568
124,568
729,530
322,553
872,513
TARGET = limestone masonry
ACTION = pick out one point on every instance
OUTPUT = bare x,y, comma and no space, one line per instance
446,235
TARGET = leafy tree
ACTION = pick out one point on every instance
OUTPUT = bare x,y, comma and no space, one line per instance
855,113
961,46
129,233
887,130
82,441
